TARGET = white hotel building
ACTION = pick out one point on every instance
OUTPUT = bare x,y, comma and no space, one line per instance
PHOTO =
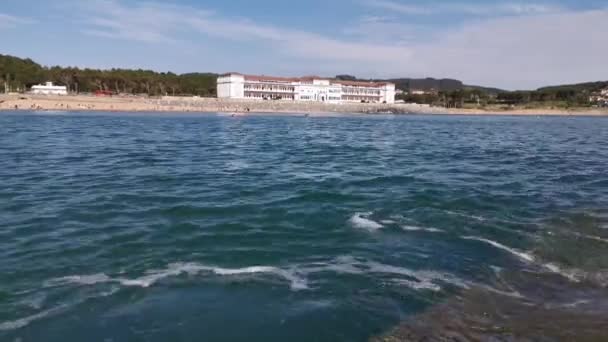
239,86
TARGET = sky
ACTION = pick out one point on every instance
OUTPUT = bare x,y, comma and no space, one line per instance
508,44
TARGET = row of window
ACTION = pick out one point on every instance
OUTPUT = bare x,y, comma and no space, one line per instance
360,91
268,88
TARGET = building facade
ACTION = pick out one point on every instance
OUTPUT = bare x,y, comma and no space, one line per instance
49,89
239,86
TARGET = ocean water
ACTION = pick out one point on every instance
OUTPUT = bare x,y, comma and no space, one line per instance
120,227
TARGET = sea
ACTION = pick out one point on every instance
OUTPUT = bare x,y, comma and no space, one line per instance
211,227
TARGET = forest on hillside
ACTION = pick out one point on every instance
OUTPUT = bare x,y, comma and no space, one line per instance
17,74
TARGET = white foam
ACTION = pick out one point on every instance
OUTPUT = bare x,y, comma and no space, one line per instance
80,279
388,222
421,229
523,256
512,294
176,269
475,217
297,283
425,278
22,322
35,301
296,275
418,285
236,165
362,221
573,275
592,237
419,279
570,274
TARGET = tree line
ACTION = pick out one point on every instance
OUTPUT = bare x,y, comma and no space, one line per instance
19,75
561,96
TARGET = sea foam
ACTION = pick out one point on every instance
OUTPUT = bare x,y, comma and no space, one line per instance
176,269
415,279
421,229
573,275
362,221
521,255
23,322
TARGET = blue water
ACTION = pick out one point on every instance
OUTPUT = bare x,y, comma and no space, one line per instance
119,227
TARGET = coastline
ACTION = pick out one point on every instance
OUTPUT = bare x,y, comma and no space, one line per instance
197,105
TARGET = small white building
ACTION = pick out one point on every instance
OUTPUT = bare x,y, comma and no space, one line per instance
309,88
49,89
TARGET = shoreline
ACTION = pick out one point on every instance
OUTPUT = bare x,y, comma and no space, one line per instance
167,104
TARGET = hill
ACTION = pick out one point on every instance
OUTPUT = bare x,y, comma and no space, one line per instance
487,90
414,84
579,87
17,74
427,84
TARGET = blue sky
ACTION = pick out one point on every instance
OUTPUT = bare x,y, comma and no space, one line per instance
509,44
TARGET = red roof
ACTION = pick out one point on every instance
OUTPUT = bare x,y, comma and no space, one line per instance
271,78
360,83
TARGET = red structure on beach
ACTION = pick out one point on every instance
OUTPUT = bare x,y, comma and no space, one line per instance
103,93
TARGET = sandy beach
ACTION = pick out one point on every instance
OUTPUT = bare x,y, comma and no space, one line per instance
195,104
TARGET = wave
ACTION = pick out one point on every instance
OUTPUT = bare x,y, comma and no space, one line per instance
573,274
23,322
521,255
598,278
388,222
423,229
591,237
475,217
361,221
176,269
296,275
416,279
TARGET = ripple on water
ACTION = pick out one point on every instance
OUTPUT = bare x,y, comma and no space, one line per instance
307,225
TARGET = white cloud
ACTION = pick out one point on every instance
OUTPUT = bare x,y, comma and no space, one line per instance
10,21
157,23
495,9
149,22
522,52
511,52
388,30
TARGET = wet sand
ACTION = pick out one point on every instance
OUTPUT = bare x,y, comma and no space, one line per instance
193,104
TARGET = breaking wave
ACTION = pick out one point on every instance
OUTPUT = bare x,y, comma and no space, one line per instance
416,279
22,322
176,269
362,221
573,274
521,255
296,275
421,229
